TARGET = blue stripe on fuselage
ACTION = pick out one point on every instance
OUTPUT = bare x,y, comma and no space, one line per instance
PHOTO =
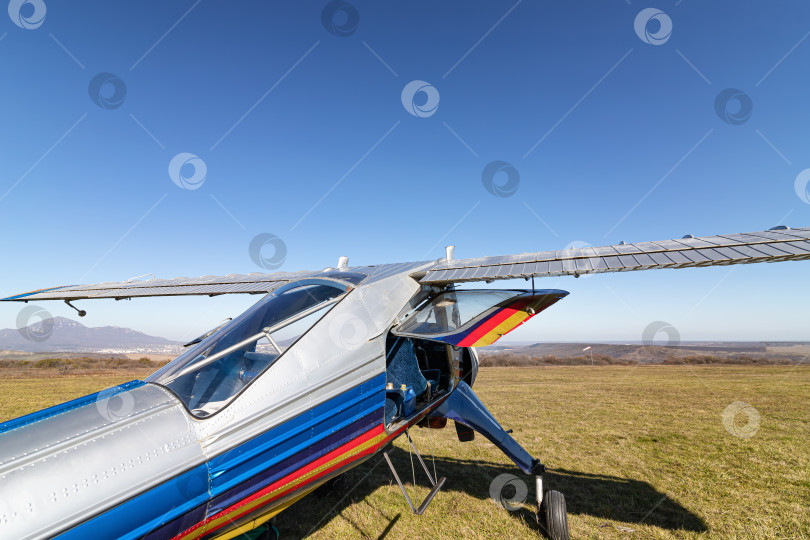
230,471
290,438
268,476
65,407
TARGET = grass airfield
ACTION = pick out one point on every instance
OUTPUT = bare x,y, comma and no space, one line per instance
639,452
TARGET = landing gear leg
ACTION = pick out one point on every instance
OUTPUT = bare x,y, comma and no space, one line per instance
465,408
551,512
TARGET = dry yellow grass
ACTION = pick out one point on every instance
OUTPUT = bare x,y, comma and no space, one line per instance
636,448
23,392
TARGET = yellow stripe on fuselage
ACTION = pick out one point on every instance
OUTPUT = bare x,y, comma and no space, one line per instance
253,523
248,507
505,327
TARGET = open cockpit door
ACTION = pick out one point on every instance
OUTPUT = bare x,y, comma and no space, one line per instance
475,318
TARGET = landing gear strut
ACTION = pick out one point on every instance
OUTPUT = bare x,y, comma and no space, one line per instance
551,512
465,408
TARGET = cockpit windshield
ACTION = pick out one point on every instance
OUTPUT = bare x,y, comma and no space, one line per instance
212,372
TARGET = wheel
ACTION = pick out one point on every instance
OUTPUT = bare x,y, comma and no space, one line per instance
552,516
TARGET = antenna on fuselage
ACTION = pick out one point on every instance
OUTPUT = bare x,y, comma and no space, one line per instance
343,263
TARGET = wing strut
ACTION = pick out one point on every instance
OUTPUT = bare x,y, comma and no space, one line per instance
81,312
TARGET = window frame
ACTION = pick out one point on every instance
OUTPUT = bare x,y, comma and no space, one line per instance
347,287
429,303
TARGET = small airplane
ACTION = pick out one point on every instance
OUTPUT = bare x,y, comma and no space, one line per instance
318,376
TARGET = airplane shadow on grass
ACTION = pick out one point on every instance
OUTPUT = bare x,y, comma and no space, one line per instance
605,497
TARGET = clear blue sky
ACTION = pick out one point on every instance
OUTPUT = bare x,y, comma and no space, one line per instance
596,120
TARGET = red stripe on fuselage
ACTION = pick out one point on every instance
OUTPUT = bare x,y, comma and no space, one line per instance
488,325
372,433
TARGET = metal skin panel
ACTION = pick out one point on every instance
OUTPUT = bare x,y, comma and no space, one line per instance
62,469
345,348
765,246
183,502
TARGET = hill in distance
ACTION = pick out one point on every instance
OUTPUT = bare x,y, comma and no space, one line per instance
63,334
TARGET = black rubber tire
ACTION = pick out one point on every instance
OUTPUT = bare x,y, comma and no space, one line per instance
553,517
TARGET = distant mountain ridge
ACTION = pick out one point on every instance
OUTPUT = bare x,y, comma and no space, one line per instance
63,334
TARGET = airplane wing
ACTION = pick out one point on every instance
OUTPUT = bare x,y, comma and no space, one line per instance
775,245
766,246
254,283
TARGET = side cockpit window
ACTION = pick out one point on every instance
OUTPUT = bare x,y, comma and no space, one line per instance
209,375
